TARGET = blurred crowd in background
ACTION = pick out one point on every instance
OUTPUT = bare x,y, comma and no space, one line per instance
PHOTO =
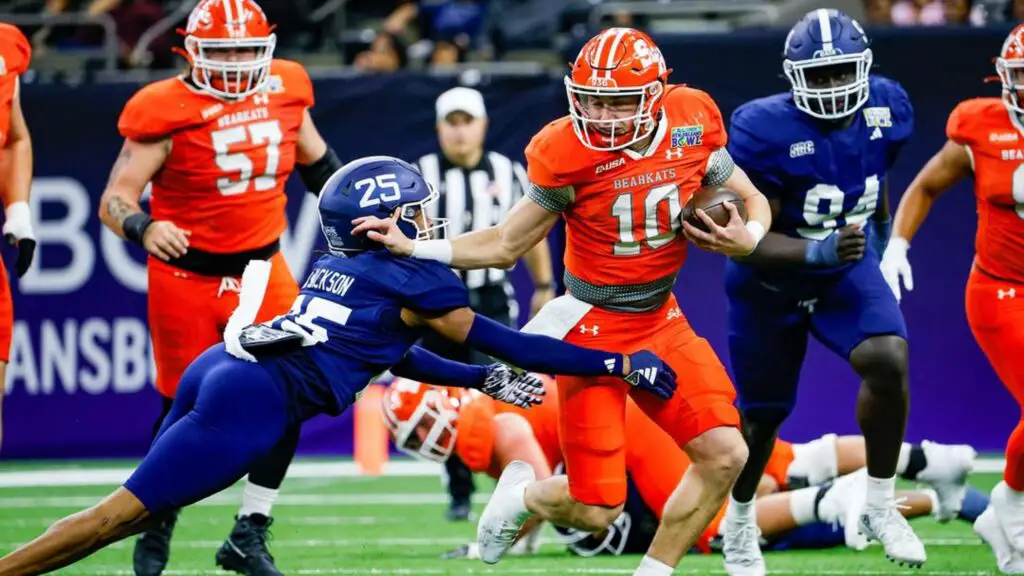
389,35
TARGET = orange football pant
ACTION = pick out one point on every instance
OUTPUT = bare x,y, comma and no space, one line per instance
6,315
188,313
995,313
656,465
592,410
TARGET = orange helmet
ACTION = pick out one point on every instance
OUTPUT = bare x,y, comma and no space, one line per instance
1010,67
619,63
421,419
217,26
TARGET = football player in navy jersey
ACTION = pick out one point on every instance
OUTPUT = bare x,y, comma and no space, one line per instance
820,153
358,314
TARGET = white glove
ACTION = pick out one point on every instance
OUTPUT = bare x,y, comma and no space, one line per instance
18,221
250,298
895,266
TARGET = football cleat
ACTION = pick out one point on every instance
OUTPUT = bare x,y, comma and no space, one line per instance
245,550
153,547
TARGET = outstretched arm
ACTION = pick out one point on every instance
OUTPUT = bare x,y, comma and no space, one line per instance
495,380
951,164
778,249
495,247
545,355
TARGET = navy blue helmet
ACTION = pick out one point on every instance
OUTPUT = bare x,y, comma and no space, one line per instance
827,61
375,186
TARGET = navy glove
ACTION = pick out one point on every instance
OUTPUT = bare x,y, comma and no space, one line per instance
651,373
845,245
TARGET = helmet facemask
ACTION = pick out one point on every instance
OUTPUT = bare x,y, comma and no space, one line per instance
830,87
429,433
1011,74
628,121
214,69
414,218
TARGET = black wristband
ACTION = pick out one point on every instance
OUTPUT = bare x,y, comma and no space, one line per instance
316,174
134,226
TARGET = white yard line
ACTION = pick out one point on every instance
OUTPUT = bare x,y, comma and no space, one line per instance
75,476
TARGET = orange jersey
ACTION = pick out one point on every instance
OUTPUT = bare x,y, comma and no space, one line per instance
15,54
995,141
478,429
622,208
224,177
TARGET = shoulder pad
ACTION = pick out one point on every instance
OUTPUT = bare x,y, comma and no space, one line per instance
971,118
162,108
15,50
291,78
555,157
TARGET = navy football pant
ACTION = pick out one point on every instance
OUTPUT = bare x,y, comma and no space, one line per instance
769,321
227,414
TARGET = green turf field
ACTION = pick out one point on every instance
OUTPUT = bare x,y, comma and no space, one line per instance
395,525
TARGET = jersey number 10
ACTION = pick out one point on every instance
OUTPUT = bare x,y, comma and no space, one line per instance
629,243
267,134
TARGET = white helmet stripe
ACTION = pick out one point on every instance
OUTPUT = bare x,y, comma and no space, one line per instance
610,63
826,30
600,48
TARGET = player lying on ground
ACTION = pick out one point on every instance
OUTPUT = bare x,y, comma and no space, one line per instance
820,153
431,422
217,145
984,141
632,152
358,313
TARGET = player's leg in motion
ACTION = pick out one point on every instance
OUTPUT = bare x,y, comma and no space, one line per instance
182,325
859,319
6,334
767,344
230,413
703,420
995,312
246,549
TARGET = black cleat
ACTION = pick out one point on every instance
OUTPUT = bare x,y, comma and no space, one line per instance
153,547
245,550
460,511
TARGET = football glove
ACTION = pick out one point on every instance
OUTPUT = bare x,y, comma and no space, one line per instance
503,384
17,232
651,373
895,265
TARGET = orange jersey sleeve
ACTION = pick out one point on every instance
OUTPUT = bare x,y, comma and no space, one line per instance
229,160
15,56
993,139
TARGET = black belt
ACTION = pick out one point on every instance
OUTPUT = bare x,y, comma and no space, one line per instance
206,263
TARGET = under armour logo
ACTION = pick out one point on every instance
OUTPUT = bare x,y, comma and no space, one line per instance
674,154
228,284
1011,293
808,304
675,312
592,330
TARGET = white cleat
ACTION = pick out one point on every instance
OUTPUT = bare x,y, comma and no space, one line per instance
741,548
1009,510
890,528
946,473
988,529
505,513
842,505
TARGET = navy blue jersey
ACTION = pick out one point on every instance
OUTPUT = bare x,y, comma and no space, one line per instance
349,310
825,178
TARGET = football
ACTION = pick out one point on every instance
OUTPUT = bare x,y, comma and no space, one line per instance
712,201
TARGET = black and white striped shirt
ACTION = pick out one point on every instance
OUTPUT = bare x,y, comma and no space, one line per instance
475,198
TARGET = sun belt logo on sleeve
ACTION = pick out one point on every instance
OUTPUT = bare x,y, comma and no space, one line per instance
685,136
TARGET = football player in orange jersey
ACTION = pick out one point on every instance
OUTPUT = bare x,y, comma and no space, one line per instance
15,177
984,140
432,423
619,168
217,145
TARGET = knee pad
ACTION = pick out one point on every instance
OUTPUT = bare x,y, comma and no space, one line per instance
815,461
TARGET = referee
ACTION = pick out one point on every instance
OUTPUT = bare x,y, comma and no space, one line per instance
477,188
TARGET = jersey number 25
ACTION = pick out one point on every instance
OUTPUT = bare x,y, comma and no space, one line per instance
267,134
306,311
